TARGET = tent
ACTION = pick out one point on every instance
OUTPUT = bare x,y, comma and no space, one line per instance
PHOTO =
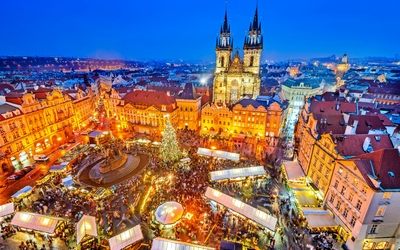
248,211
318,217
219,154
25,191
126,238
237,173
169,213
165,244
293,170
85,226
6,209
33,221
67,181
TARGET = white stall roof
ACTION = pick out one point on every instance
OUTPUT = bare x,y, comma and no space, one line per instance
165,244
318,217
25,190
67,181
219,154
236,173
35,221
242,208
6,209
86,226
293,170
126,238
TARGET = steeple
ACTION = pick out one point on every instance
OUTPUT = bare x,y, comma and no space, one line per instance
224,41
254,37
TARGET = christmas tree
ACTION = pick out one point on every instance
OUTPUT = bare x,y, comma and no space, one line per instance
169,150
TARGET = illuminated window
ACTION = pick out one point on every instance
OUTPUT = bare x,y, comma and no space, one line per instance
351,196
386,195
381,211
382,245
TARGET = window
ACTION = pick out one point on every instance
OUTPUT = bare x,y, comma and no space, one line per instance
359,204
373,229
355,182
386,195
345,213
336,184
332,199
343,191
382,245
327,172
381,211
353,221
364,190
351,196
320,168
338,204
312,175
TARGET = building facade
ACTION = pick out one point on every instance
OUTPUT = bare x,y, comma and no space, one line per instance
235,77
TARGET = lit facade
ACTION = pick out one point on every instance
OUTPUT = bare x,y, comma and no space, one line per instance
235,77
189,104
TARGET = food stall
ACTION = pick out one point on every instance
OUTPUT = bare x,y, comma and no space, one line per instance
126,238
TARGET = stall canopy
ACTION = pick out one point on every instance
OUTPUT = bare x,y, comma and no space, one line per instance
165,244
219,154
237,173
86,226
33,221
58,168
293,170
67,181
21,192
126,238
6,209
318,217
169,212
250,212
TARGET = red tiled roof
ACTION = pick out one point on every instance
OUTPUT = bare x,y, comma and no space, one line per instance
352,145
383,161
329,107
151,98
366,123
172,90
385,121
204,100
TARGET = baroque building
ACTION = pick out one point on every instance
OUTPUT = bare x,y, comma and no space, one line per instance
236,77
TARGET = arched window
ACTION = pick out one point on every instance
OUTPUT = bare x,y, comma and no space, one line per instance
251,61
222,61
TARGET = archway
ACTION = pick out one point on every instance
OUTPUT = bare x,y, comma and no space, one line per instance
54,139
4,167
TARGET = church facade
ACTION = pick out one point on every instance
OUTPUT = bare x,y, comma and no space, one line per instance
236,77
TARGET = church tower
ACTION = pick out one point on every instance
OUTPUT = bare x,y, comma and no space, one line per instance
224,46
253,45
236,77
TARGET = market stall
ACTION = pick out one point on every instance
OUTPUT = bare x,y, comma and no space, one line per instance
318,217
126,238
86,226
237,173
37,222
241,208
63,167
166,244
22,193
293,171
218,154
68,181
6,209
169,213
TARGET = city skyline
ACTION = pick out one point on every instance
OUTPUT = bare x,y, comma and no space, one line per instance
187,30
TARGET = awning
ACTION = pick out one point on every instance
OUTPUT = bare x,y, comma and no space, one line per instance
169,212
126,238
6,209
22,192
318,217
86,226
58,168
67,181
219,154
230,245
250,212
293,170
306,197
185,159
237,173
35,221
165,244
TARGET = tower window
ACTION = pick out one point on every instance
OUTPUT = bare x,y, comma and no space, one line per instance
222,61
251,61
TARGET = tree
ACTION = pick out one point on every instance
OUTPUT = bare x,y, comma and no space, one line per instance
169,150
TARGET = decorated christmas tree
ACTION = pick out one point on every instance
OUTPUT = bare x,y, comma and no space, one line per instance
169,150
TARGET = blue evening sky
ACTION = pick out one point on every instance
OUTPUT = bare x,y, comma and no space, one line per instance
187,29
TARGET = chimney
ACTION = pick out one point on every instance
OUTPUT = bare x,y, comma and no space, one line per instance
346,118
337,106
168,93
